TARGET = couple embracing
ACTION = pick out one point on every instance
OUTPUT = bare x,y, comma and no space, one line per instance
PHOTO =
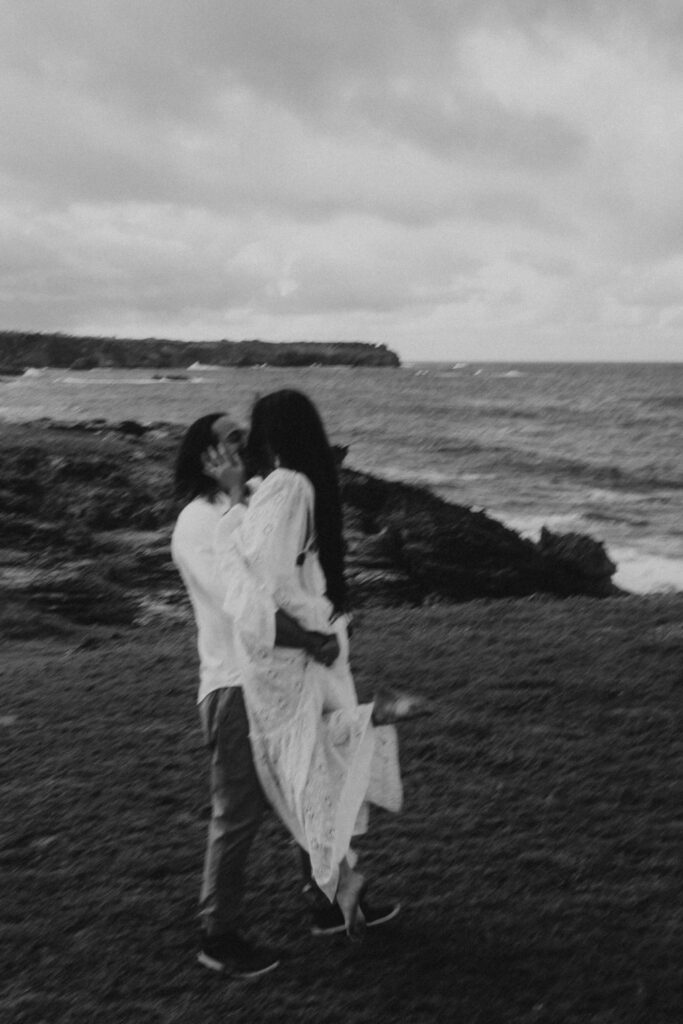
264,569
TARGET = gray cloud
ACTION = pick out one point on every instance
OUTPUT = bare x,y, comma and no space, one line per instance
336,165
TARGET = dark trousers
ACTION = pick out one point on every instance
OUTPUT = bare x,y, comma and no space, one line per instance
237,806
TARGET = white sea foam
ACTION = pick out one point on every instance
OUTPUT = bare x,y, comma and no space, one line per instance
620,497
468,477
112,381
530,525
645,573
639,570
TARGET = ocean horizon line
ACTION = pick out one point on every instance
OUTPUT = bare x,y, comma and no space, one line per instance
462,362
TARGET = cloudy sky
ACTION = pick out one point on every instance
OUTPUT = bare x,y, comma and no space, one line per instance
459,179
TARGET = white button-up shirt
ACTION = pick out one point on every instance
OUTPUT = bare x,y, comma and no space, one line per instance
193,551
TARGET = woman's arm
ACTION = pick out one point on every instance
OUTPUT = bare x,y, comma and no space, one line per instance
257,549
275,533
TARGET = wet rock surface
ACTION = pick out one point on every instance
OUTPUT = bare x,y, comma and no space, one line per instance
86,513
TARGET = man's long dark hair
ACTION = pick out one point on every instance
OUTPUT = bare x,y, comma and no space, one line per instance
190,480
286,426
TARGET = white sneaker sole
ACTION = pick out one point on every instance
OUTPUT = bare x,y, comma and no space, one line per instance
217,965
339,928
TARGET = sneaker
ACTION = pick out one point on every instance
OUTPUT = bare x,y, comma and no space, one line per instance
391,707
330,920
232,954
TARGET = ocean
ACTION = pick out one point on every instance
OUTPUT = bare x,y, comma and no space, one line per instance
588,448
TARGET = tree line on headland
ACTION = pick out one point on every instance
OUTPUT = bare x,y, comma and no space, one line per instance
21,350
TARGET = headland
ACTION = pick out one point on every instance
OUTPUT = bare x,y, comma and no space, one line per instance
21,350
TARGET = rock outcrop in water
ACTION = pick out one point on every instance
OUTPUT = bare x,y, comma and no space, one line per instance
19,351
86,515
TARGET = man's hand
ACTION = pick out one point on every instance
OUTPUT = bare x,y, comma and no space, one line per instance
323,647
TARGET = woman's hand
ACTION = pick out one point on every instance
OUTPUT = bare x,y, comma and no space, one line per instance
227,469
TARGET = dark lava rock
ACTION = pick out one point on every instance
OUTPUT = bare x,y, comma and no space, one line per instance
457,553
96,517
84,363
580,553
77,592
132,428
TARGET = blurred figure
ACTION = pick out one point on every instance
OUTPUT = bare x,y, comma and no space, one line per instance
237,800
320,756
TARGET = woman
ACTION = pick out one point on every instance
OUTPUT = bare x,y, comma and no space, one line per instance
319,754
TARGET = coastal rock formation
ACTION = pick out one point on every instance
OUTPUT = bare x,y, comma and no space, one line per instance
86,514
453,552
19,351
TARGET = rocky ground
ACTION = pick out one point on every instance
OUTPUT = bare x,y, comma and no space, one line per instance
86,512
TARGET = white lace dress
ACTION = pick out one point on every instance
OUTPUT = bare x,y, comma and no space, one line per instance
319,757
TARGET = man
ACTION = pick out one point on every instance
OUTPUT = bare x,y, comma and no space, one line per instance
209,478
237,803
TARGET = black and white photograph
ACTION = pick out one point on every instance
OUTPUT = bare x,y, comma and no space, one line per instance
341,511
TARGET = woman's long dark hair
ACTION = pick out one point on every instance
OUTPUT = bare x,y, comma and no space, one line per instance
285,425
190,480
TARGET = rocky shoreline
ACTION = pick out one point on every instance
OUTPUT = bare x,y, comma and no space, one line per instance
86,513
